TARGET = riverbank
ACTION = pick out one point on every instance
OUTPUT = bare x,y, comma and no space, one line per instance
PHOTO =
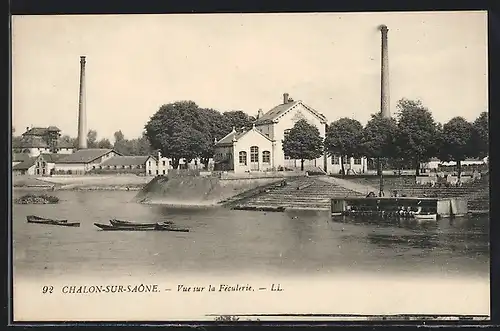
82,183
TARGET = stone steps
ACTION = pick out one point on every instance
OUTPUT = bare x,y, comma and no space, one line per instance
314,194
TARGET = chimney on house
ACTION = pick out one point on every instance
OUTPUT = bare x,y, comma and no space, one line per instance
285,98
159,155
82,111
384,80
260,113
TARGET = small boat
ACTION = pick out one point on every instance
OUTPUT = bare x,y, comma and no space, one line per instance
116,222
160,226
48,221
71,224
38,219
108,227
164,226
426,217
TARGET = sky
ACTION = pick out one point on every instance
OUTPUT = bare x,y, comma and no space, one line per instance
330,61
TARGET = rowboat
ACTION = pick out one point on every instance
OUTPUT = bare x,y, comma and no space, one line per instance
161,226
426,217
108,227
165,226
119,223
48,221
38,219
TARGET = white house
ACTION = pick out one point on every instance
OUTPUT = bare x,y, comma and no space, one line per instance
246,150
84,160
160,165
45,163
279,120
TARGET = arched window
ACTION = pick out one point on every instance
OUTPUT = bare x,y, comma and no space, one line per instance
243,158
266,157
254,154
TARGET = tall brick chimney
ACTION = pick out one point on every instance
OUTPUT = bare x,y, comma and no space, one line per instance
285,98
384,80
82,111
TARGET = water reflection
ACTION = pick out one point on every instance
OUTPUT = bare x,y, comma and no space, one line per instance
465,236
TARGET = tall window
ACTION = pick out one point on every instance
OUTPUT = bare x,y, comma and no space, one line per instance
335,159
243,157
346,159
357,160
266,157
254,154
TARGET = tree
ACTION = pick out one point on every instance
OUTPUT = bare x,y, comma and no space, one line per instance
236,119
380,140
217,126
67,139
141,146
121,145
179,130
417,132
119,136
344,138
456,142
480,136
303,142
92,139
104,143
16,140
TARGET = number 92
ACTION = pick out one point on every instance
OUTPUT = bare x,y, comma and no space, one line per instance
47,289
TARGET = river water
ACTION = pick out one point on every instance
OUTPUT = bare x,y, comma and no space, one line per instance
223,241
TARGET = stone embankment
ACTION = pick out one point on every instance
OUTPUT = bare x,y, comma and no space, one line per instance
312,193
199,191
83,183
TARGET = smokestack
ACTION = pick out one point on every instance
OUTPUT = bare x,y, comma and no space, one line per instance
82,111
285,98
384,83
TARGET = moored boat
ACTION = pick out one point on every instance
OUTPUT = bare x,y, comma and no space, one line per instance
109,227
70,224
425,217
38,219
160,226
122,223
163,226
48,221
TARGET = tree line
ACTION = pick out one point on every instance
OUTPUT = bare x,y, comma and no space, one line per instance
183,130
137,146
408,140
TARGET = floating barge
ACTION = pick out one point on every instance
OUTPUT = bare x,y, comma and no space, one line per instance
398,207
